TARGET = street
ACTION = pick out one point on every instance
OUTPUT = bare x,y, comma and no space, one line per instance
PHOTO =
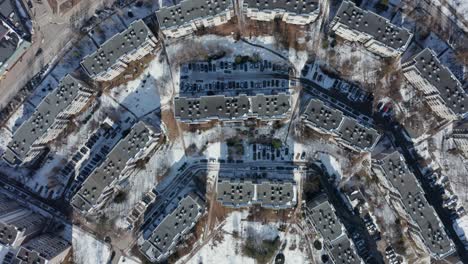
52,38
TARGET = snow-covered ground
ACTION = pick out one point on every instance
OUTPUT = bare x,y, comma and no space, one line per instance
332,166
107,29
226,247
142,95
198,47
458,6
87,249
73,57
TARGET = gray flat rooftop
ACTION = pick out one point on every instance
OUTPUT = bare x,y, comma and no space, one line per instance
342,251
266,106
112,167
188,10
357,134
297,7
275,193
117,46
442,79
44,116
209,107
235,192
179,222
416,205
325,220
378,27
323,116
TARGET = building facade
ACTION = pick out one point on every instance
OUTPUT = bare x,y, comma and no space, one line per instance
50,118
460,137
441,89
44,249
407,197
376,33
346,130
190,15
114,55
297,12
99,187
17,223
171,227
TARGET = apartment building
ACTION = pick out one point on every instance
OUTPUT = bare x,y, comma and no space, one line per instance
140,208
17,223
346,130
441,89
99,187
322,216
407,197
190,15
268,193
376,33
460,137
171,227
297,12
44,249
236,108
114,55
50,118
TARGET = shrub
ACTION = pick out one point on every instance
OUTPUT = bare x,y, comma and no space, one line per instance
262,251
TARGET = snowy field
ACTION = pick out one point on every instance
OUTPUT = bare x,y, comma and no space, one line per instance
142,95
87,249
107,29
71,61
227,247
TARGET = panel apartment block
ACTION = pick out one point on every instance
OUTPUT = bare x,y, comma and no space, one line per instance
237,108
17,223
44,249
376,33
99,186
442,90
406,191
321,214
268,193
50,118
298,12
189,15
172,227
114,55
346,130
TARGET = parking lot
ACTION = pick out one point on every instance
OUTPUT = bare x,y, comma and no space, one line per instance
230,78
352,92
